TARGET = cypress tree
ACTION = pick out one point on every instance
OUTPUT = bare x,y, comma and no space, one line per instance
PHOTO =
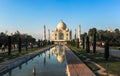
106,54
87,45
9,45
73,42
38,43
83,42
94,43
19,45
77,43
26,46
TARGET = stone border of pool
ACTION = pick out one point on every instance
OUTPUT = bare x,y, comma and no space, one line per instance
75,67
10,64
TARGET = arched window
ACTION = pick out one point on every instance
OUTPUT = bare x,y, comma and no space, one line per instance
61,36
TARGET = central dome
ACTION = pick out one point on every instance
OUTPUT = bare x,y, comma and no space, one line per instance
61,26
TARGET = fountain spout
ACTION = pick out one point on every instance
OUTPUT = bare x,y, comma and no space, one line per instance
34,71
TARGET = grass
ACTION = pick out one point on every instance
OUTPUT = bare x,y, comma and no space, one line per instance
112,65
14,54
92,66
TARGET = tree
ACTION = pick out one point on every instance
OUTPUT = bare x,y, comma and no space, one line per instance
91,32
87,45
106,54
26,43
38,43
117,30
94,42
3,39
100,34
19,45
9,45
83,43
77,43
83,36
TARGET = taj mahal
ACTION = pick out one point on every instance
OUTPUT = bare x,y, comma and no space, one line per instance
61,34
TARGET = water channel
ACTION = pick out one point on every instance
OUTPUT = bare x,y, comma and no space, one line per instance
51,62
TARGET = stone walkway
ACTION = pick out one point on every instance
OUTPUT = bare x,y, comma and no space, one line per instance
75,67
3,51
9,64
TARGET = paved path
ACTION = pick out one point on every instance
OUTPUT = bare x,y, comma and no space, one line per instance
113,52
3,51
75,67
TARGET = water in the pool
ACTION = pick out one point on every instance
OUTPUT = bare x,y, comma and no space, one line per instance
49,63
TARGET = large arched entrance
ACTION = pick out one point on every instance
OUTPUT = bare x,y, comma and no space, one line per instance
61,36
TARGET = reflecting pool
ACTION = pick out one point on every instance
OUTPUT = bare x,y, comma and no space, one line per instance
51,62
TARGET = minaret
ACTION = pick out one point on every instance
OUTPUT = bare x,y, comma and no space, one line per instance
48,34
75,34
44,33
79,32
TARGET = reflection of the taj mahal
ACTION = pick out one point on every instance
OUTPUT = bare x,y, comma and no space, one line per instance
59,52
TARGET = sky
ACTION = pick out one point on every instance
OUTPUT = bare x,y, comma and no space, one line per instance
29,16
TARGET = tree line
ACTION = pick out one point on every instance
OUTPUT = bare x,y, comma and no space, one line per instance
22,41
15,39
102,35
95,37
